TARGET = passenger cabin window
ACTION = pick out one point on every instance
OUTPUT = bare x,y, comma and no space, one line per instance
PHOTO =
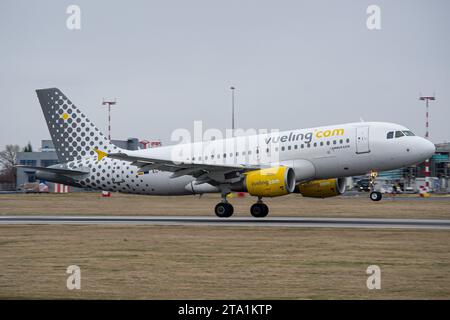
399,134
390,135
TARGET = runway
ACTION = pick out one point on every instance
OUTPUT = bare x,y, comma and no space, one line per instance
297,222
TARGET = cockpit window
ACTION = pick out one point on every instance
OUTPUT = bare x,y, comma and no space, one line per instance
399,134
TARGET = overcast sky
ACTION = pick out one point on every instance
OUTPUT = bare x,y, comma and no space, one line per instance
295,64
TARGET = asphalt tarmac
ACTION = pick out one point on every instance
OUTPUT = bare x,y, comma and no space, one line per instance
297,222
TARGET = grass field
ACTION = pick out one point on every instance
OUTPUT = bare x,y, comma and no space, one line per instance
204,262
209,262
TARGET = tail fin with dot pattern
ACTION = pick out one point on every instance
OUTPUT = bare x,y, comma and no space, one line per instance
74,135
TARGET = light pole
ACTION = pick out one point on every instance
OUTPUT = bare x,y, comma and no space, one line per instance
427,135
109,104
232,110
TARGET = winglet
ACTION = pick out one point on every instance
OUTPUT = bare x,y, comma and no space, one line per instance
100,154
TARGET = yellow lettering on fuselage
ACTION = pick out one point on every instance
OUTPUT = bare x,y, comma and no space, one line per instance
329,133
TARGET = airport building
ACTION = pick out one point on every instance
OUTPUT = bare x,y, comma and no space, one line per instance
439,170
413,177
46,156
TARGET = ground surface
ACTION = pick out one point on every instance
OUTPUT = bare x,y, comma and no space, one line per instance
292,205
208,262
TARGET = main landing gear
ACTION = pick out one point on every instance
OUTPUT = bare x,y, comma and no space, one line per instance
374,195
224,209
259,209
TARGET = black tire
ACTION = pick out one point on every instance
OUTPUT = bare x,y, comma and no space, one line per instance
375,196
259,210
224,210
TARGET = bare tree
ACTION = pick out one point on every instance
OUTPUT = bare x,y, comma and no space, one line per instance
8,158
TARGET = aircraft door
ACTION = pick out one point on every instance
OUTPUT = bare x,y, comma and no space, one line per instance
362,139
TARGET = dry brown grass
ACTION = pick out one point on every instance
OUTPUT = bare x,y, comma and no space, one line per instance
292,205
150,262
156,262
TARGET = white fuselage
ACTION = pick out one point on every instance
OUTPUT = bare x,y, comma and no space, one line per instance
315,153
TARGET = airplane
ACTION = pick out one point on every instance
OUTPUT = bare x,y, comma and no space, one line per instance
313,162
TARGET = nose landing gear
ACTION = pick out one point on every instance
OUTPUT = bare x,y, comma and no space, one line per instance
374,195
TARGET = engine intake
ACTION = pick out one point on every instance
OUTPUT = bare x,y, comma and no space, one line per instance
270,182
322,188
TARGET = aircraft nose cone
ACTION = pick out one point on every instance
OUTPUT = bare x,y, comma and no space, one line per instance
427,148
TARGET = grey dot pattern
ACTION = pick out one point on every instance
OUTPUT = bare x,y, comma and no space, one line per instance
64,119
75,137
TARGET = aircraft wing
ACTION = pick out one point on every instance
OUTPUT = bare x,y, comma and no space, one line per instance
203,172
66,172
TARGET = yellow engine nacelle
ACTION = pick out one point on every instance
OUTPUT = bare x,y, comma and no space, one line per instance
322,188
270,182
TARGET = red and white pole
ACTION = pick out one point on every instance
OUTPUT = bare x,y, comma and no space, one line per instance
427,136
109,104
109,122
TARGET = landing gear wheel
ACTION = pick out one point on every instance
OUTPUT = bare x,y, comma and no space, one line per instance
259,210
224,210
375,196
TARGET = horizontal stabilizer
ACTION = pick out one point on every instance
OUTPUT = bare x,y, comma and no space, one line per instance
66,172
